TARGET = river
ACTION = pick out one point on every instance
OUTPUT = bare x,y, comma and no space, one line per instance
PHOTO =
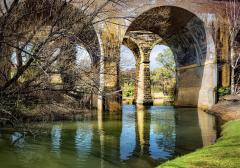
142,138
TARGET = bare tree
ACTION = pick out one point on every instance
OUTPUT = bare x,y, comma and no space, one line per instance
42,36
233,26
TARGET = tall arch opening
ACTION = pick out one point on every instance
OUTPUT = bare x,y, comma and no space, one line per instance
127,74
163,74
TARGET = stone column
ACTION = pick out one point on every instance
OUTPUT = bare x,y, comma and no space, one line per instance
112,92
136,80
111,99
110,38
144,96
66,66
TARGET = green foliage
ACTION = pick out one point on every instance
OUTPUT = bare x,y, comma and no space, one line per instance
163,78
127,80
162,73
128,90
224,91
166,60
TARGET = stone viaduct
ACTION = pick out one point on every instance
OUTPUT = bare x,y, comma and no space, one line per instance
191,28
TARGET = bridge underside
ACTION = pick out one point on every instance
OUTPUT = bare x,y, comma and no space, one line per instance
193,48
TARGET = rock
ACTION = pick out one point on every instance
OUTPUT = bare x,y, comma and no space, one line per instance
227,109
231,98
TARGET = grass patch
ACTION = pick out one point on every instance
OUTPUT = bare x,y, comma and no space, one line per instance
223,154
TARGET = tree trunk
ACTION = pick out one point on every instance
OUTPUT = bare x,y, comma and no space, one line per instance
232,81
17,75
232,71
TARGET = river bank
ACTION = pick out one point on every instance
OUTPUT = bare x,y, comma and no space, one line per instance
227,109
57,112
225,153
47,106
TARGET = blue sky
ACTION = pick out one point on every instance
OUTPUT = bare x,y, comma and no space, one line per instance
128,60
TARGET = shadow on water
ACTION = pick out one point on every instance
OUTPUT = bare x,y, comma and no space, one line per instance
137,137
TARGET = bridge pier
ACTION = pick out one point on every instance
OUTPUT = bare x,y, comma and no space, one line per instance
144,96
67,64
141,43
136,81
196,86
110,98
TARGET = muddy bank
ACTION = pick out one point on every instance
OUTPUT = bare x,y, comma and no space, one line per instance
59,106
227,109
57,112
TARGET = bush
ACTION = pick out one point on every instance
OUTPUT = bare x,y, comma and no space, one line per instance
128,90
222,91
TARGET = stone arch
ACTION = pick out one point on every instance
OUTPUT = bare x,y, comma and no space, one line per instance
85,34
132,45
193,47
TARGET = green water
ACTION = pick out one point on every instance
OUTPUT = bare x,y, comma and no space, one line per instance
134,138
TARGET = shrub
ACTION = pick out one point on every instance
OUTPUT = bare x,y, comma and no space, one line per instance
222,91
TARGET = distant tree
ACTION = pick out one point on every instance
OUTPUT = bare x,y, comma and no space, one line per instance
163,78
166,60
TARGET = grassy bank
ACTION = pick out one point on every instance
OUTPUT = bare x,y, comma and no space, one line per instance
224,154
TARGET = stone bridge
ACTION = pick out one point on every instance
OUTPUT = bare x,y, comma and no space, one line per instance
192,30
198,41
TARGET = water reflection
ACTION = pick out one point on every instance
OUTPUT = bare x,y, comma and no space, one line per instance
141,132
208,128
17,139
101,137
83,140
56,135
162,133
137,138
128,135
